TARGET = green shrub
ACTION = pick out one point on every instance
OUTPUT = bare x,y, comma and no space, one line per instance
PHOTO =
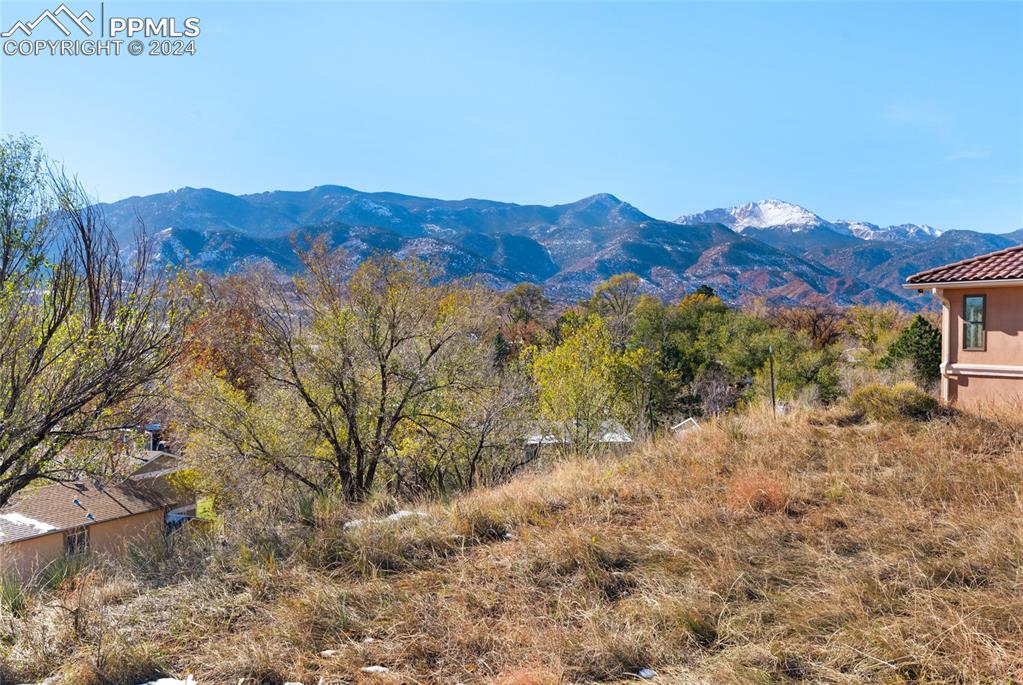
893,403
12,596
58,572
920,344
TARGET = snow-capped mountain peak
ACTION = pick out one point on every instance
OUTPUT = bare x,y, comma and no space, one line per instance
763,214
776,214
914,231
902,232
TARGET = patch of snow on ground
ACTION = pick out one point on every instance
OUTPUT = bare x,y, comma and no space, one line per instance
396,516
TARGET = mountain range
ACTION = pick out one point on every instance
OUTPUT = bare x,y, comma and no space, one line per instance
779,251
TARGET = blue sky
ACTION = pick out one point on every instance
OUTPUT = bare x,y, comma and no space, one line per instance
882,112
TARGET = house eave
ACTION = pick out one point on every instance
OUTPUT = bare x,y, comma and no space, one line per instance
985,370
36,536
86,524
998,283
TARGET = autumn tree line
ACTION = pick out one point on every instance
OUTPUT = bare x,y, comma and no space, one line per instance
353,379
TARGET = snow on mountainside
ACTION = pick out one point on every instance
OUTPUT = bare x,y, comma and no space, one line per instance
774,250
911,232
763,214
777,214
860,229
903,232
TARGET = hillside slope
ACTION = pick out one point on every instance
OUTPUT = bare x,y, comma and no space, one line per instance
888,264
774,250
751,551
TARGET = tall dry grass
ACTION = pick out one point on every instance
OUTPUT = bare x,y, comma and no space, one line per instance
808,548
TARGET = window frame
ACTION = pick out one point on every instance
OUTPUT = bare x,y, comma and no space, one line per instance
81,546
982,323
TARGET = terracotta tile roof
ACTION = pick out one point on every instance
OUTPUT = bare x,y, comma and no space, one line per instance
995,266
53,507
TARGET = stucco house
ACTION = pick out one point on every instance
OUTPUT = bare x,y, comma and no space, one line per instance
982,325
45,523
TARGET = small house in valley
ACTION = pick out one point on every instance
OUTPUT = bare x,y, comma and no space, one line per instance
43,524
982,326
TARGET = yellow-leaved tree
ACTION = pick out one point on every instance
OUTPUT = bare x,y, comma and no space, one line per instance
377,375
576,382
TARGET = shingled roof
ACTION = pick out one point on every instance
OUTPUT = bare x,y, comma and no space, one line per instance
1002,265
65,506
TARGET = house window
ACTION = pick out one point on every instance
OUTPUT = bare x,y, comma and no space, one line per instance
76,541
974,311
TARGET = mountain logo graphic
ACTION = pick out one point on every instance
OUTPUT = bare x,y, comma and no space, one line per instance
53,16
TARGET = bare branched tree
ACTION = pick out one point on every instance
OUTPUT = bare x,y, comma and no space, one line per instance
371,372
824,323
84,335
717,389
469,437
615,300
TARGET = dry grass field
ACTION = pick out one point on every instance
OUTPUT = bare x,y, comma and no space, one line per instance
812,548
